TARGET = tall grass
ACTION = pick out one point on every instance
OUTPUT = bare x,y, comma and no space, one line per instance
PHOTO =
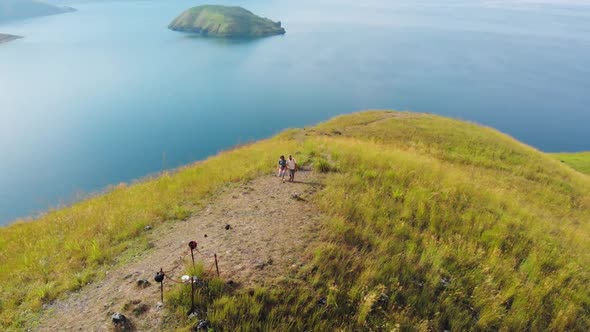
430,224
68,248
488,234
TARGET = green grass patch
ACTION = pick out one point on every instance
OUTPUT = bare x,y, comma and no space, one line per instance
322,165
579,161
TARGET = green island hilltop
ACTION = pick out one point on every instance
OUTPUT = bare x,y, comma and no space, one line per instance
225,21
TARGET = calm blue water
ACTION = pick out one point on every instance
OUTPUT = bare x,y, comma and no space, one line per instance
108,94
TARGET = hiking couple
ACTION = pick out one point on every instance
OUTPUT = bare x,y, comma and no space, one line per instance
287,164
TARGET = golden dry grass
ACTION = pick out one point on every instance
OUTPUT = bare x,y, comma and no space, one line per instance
433,224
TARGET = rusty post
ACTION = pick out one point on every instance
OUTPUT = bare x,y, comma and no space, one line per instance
160,278
193,246
216,265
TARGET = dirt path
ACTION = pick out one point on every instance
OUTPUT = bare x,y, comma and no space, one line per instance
269,233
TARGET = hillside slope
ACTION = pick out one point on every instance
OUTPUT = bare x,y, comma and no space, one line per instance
427,223
579,161
263,243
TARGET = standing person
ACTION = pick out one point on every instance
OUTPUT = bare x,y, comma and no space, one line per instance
292,166
282,167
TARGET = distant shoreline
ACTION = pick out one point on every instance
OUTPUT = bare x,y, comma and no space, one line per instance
6,38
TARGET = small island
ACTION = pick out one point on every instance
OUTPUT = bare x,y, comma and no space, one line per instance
11,10
225,21
4,38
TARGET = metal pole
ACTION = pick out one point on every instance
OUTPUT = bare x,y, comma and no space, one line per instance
193,246
216,265
160,278
162,286
192,295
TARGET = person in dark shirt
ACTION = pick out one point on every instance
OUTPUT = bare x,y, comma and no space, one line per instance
282,167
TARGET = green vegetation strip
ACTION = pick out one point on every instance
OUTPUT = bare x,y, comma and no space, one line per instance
579,161
432,224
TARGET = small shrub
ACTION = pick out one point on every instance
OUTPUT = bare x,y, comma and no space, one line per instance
323,166
180,212
140,309
81,279
44,291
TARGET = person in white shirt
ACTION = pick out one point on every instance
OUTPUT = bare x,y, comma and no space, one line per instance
292,167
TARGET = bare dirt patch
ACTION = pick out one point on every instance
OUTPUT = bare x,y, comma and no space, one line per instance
269,230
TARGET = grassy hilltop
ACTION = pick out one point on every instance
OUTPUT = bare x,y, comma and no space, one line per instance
431,224
225,21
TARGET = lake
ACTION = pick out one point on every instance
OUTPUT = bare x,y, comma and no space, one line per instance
108,94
